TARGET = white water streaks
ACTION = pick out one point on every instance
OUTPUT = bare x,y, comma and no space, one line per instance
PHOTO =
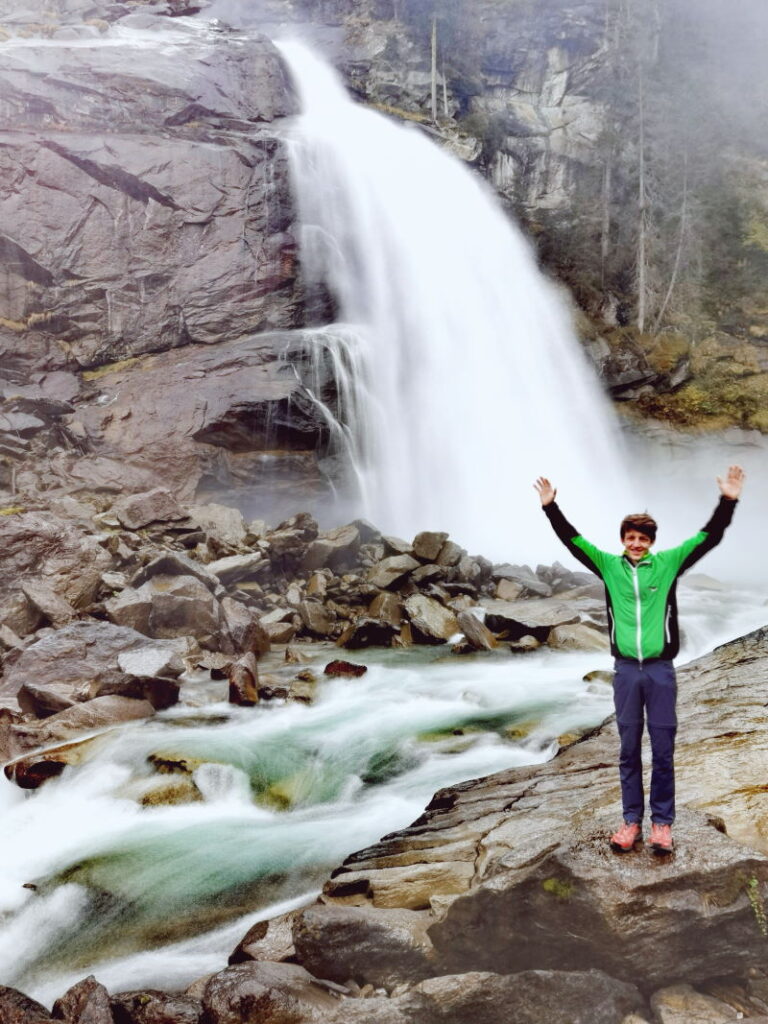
469,380
114,877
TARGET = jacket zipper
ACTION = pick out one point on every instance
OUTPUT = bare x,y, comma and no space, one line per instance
638,617
666,623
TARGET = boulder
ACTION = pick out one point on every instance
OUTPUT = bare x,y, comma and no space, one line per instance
693,921
16,1008
316,618
578,637
224,525
345,668
431,622
99,713
427,546
682,1004
336,549
450,554
390,572
387,607
155,1007
135,511
380,947
174,563
244,628
265,993
53,609
522,575
396,546
244,681
75,664
266,940
146,662
367,632
46,550
87,1002
170,606
477,633
508,590
236,568
557,997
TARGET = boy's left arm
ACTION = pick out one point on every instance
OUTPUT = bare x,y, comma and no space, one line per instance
710,535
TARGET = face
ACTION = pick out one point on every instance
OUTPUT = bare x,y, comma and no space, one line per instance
636,544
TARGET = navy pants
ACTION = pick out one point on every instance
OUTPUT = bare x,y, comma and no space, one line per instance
640,691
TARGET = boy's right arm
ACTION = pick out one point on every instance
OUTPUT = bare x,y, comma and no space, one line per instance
590,556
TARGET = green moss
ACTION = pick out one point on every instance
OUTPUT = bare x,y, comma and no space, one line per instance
12,510
103,371
755,898
559,887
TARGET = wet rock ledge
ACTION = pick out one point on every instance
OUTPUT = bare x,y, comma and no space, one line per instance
502,901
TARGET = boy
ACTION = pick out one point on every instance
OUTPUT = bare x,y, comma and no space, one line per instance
640,590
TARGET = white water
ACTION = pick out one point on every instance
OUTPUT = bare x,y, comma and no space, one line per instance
469,380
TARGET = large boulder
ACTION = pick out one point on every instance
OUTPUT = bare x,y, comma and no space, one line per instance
75,664
390,572
86,1002
432,622
58,562
16,1008
151,1006
695,920
381,947
171,606
265,993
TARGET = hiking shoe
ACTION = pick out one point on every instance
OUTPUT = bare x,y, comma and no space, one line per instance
623,839
660,840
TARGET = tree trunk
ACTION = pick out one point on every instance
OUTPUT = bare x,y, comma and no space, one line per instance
641,207
679,250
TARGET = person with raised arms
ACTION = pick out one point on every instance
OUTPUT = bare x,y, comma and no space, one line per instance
640,590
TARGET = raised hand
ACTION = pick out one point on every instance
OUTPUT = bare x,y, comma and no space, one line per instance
546,491
733,483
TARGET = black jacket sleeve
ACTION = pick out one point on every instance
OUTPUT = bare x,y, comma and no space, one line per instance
567,533
715,527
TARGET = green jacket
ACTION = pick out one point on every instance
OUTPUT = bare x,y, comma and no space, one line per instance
642,599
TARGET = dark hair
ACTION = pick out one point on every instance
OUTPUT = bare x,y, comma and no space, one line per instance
641,522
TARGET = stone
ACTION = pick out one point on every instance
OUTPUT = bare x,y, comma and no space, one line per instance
387,607
244,681
225,525
316,618
557,997
265,993
522,575
397,546
145,662
390,572
468,570
704,925
317,586
53,608
266,940
508,590
430,621
16,1008
408,887
154,1007
170,606
174,563
73,664
235,568
345,668
450,554
336,549
281,632
578,637
428,545
681,1004
135,511
367,632
476,632
87,1002
426,573
96,714
244,628
381,947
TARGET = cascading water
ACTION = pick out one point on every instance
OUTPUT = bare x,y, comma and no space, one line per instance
469,380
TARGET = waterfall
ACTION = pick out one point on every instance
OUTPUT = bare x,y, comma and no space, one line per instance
469,381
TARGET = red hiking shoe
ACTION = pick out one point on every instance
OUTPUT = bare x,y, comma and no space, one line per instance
660,840
623,839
